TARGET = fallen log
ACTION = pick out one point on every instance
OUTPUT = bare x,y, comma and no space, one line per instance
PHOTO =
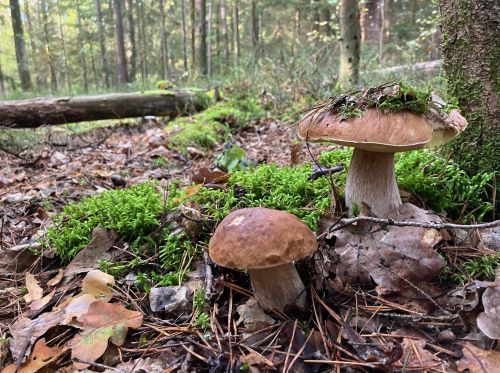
61,110
427,67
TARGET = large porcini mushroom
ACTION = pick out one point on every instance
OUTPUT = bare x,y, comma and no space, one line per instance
265,242
376,136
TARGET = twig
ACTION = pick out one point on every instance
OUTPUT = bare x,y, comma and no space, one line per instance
208,276
342,223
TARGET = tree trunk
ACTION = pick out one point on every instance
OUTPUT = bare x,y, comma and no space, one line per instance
184,37
48,50
120,43
371,22
209,39
131,37
193,36
81,46
2,82
203,38
21,56
385,35
33,46
63,47
50,111
350,33
255,26
471,52
236,33
102,45
163,40
142,39
223,10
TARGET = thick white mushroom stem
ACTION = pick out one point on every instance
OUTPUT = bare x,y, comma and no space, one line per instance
278,287
371,180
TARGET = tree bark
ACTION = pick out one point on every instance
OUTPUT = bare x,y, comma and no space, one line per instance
21,56
81,44
131,37
120,43
209,39
33,45
471,53
63,47
223,10
50,111
48,49
102,45
255,26
203,38
193,35
2,81
184,37
385,35
371,22
236,33
142,39
350,33
164,43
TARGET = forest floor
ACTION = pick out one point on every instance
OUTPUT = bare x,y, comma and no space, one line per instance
360,330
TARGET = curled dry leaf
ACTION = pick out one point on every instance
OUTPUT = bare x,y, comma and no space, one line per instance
57,278
35,292
206,176
476,360
387,255
42,302
41,356
96,283
415,356
489,320
103,322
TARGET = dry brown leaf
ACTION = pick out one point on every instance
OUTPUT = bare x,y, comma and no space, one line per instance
390,255
77,307
25,331
41,356
57,278
477,360
35,292
416,356
42,302
103,322
87,259
206,176
96,283
190,192
254,358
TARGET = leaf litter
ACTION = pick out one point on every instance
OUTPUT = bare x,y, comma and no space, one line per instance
96,317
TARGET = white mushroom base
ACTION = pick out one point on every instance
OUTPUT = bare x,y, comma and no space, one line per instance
278,287
371,179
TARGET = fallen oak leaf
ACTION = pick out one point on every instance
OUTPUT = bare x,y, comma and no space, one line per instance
102,322
35,292
476,360
96,283
41,356
42,302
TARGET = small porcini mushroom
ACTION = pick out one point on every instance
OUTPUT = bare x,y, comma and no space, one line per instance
376,136
265,242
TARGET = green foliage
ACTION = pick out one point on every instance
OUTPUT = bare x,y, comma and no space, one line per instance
443,185
199,301
132,213
280,188
479,268
245,367
407,98
195,132
233,158
440,183
202,321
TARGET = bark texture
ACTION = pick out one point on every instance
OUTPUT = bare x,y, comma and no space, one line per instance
350,34
371,21
49,111
120,43
371,180
21,56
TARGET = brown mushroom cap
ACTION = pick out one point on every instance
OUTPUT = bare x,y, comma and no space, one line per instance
253,238
382,132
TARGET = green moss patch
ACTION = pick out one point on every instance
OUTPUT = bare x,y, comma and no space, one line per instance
195,132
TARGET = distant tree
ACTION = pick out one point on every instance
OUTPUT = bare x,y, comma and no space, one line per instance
63,47
131,38
350,35
184,37
225,33
203,38
120,43
385,35
236,31
471,50
81,54
102,45
46,23
193,35
255,25
21,56
209,38
164,41
371,21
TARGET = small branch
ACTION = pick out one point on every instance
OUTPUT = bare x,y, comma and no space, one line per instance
342,223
